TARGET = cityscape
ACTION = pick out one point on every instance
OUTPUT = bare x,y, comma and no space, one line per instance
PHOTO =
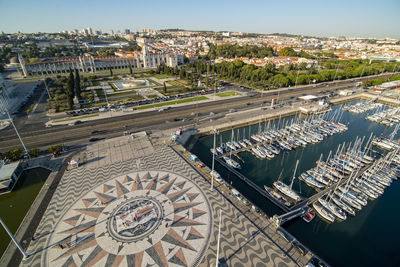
213,134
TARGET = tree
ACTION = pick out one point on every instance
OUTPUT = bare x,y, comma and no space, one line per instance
165,88
14,154
34,152
287,52
70,89
77,84
305,54
57,148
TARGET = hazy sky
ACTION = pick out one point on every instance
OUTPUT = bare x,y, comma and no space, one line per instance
363,18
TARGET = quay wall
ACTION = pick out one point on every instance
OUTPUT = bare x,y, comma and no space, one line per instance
25,231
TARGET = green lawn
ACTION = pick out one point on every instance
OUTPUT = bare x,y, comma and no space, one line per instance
185,82
229,93
152,96
162,76
175,84
120,94
180,101
99,93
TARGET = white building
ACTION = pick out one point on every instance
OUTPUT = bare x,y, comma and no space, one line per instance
144,59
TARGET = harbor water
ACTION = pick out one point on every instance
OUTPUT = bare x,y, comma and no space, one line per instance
14,205
368,239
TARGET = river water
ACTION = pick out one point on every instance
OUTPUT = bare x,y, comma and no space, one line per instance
14,205
368,239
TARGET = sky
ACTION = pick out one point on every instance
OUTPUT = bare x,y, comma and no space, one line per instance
323,18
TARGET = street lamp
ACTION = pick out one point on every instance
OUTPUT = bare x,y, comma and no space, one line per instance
219,236
108,104
214,131
215,88
47,89
298,71
14,240
11,120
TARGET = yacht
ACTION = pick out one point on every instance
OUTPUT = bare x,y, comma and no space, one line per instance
242,143
286,190
338,212
323,212
343,205
232,163
310,180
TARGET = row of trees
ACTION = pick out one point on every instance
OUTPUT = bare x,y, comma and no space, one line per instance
73,87
379,81
253,51
188,72
63,90
269,76
17,154
232,51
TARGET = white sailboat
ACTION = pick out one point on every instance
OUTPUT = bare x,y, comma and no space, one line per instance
287,190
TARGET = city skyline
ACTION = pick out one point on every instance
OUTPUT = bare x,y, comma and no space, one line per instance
367,19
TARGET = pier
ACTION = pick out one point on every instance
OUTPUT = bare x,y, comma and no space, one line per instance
253,185
289,215
291,211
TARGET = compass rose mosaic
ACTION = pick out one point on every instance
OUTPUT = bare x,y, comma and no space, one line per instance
151,218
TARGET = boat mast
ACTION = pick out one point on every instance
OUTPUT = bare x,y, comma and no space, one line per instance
294,174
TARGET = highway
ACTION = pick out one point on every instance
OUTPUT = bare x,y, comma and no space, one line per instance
37,136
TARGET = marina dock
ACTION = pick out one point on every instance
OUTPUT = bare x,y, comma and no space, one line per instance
253,185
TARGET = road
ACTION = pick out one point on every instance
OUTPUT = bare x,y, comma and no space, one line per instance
35,135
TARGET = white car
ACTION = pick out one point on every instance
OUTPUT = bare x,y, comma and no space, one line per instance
216,176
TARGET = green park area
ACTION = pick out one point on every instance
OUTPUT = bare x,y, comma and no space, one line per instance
162,76
175,84
152,96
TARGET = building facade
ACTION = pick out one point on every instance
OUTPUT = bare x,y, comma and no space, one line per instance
143,59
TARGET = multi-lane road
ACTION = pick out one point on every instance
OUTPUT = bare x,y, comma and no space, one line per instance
37,136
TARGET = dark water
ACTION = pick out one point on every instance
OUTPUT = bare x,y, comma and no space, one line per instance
371,238
14,205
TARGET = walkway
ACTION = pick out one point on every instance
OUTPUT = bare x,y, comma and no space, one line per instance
248,240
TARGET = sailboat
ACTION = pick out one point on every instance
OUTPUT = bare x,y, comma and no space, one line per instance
287,190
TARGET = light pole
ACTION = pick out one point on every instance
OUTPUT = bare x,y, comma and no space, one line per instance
47,89
214,131
337,68
108,104
11,120
298,71
219,236
13,239
215,88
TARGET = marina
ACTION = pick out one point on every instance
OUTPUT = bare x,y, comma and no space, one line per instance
335,191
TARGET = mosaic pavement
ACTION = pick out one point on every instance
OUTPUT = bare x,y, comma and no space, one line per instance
141,219
74,204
